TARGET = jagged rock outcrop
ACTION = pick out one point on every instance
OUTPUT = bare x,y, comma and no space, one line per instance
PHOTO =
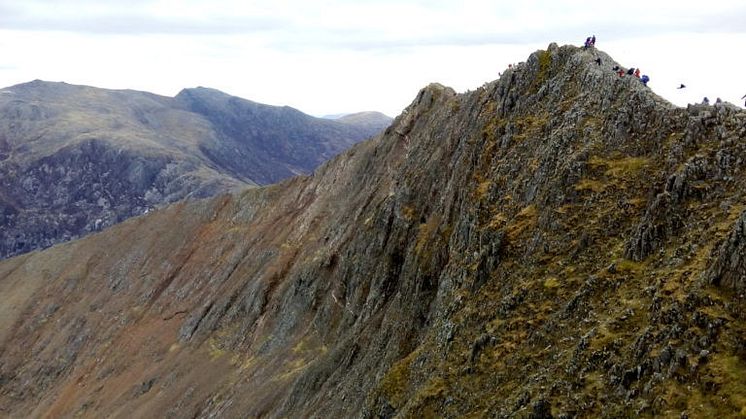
76,159
469,261
729,267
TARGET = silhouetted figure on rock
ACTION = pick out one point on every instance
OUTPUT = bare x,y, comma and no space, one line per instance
682,86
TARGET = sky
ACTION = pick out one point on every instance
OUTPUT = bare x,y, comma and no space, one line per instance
333,56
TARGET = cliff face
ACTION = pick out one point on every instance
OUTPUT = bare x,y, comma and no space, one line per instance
558,242
76,159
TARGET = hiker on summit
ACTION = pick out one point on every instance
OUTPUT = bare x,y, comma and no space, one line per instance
637,73
593,41
682,86
587,43
598,60
631,71
645,79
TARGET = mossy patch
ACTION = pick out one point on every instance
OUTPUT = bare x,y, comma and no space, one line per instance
395,384
589,185
214,349
621,168
525,219
729,374
408,212
425,234
483,188
545,64
552,282
530,126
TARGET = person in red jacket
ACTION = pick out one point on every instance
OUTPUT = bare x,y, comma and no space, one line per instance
637,73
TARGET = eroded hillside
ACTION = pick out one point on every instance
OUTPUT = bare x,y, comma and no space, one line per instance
560,242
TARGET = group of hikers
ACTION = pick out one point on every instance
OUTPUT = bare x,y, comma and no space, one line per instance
632,72
590,42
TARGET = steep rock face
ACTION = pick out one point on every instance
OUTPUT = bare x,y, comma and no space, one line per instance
461,263
76,159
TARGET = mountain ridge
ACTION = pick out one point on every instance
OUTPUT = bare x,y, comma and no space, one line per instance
460,263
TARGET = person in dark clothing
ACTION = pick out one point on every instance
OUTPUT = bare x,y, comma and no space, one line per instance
593,41
682,86
598,60
587,43
631,71
645,79
706,101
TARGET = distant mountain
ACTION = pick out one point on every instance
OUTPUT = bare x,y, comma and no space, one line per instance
75,159
269,143
375,121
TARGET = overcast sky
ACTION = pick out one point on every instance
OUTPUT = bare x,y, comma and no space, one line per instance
334,56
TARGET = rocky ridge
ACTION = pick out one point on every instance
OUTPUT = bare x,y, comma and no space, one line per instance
558,243
76,159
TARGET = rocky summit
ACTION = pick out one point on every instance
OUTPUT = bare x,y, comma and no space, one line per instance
76,159
560,242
